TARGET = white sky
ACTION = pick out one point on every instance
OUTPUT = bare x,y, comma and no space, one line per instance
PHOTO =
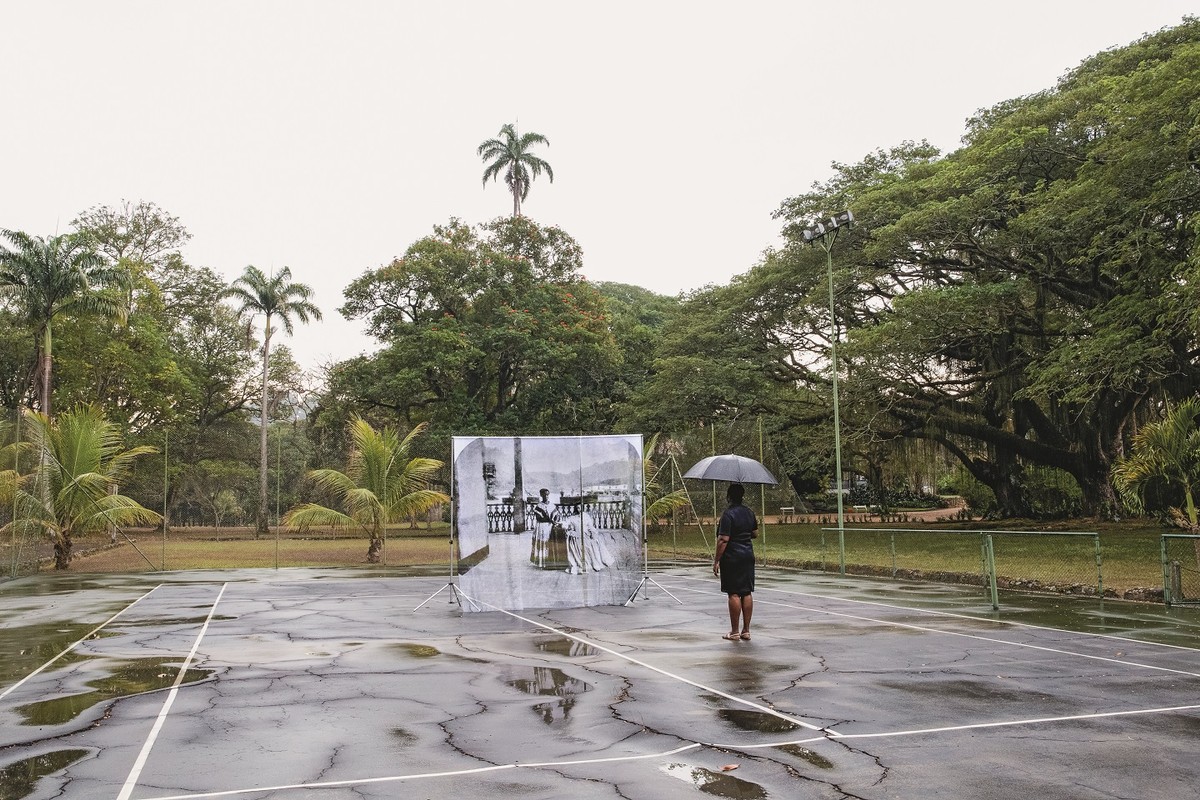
329,136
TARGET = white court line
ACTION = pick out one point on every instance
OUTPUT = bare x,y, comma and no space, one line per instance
71,647
448,774
979,637
140,763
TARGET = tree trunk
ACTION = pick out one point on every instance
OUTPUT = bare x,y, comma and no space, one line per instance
375,550
260,528
47,362
63,551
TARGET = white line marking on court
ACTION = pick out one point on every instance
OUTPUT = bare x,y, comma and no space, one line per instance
71,647
927,629
140,763
447,774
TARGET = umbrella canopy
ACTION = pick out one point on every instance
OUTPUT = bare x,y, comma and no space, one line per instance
732,468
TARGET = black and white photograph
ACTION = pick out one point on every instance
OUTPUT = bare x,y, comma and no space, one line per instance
548,521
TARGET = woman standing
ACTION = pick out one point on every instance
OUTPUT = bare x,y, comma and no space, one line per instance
545,514
734,561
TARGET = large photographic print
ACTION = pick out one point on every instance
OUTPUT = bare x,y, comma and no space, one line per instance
548,521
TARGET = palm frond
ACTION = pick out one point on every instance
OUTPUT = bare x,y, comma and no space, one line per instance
311,515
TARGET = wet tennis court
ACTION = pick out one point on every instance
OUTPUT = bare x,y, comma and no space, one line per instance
340,684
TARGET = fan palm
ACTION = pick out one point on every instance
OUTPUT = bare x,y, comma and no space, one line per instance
1167,451
274,296
81,461
381,485
46,277
510,153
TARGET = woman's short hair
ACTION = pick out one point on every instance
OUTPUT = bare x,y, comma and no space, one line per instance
735,493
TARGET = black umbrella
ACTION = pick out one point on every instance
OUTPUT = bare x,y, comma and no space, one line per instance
732,468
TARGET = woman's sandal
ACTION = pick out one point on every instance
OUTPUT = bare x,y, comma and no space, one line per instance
745,636
731,636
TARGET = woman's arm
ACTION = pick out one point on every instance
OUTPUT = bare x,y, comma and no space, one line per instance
721,542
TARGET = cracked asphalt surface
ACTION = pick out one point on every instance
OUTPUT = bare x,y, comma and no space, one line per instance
327,684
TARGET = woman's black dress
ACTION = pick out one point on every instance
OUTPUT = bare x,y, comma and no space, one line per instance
737,562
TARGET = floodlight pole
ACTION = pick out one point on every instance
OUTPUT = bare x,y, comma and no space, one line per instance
824,235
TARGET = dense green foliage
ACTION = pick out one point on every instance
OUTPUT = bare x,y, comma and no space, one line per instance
484,330
1023,302
1012,319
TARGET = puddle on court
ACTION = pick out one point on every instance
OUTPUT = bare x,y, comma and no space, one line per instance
812,757
973,690
550,682
132,678
403,737
759,721
19,778
418,650
562,646
25,648
719,784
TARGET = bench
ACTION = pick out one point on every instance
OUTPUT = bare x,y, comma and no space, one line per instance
786,513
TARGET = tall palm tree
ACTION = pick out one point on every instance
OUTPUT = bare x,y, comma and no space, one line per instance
381,485
510,153
45,277
277,297
71,491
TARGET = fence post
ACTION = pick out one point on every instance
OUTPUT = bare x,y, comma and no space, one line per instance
989,554
1099,570
1166,574
893,554
842,550
1177,580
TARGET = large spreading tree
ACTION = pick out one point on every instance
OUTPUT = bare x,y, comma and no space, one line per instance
1023,302
484,329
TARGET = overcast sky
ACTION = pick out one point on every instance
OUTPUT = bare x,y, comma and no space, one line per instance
329,136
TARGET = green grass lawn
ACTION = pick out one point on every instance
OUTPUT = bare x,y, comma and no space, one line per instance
1129,555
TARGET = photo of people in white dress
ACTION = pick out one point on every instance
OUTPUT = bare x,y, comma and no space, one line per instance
548,521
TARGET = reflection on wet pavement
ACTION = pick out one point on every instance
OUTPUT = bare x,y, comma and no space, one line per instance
132,678
811,756
720,784
562,646
19,778
551,682
760,721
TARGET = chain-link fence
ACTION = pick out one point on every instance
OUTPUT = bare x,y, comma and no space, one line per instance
1181,568
25,552
1068,562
